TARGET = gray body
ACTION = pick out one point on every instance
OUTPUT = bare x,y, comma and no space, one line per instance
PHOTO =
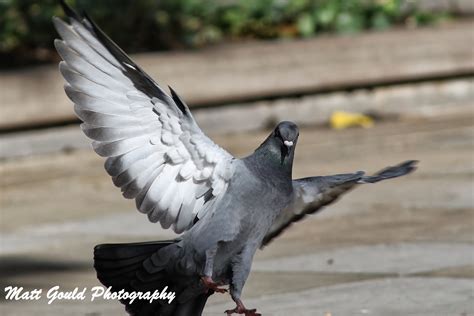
231,236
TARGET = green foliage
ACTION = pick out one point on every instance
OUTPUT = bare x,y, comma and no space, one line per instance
26,31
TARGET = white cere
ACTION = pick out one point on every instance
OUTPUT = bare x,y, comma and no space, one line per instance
288,143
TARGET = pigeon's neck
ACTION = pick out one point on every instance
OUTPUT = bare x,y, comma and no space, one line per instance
269,161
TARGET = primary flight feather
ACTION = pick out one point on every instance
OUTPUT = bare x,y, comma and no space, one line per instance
156,153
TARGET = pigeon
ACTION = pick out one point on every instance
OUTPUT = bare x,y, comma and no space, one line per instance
224,208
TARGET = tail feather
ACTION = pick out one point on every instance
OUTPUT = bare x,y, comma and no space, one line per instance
124,266
117,264
123,263
128,250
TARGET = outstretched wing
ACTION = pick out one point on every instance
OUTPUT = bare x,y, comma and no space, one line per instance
155,151
311,194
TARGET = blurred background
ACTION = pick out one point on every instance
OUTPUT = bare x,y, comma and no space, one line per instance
371,83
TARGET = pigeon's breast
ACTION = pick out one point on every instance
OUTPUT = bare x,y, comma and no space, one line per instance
251,206
244,214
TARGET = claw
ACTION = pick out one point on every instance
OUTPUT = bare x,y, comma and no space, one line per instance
246,312
211,285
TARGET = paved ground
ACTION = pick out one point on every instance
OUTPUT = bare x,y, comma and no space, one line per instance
404,247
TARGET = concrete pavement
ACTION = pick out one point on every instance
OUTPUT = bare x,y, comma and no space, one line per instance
402,247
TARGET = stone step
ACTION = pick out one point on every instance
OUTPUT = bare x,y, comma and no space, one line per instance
261,70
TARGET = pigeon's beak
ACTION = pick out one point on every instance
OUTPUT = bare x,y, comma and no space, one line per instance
286,149
288,143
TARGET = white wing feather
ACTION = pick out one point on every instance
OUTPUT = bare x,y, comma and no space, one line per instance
155,151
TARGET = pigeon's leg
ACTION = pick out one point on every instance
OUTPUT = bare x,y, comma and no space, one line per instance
240,271
208,268
211,285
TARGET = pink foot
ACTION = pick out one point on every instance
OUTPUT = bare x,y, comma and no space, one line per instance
240,309
211,285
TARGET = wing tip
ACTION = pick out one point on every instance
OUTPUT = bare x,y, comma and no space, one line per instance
60,47
56,20
396,171
411,163
63,69
57,42
59,24
407,167
71,14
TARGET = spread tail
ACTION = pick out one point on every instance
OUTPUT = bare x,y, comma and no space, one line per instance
142,267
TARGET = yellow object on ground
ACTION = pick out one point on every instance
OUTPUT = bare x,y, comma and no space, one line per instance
341,120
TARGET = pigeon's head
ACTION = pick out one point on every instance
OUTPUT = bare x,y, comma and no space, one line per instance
279,147
287,133
284,137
